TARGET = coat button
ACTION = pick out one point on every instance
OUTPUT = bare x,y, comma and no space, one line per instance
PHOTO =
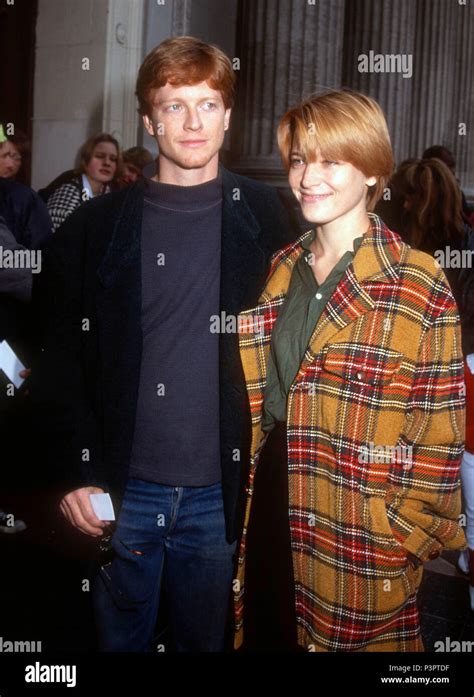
249,490
434,554
360,375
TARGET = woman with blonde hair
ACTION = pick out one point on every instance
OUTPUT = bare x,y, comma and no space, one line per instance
100,162
354,376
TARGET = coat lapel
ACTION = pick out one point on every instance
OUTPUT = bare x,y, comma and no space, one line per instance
376,261
118,304
241,256
242,273
124,246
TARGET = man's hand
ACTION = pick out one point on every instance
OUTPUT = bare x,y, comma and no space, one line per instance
77,508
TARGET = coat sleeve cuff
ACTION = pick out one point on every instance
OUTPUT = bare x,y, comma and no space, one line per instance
424,547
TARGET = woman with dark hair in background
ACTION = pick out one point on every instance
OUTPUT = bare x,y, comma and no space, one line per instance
99,167
434,223
440,152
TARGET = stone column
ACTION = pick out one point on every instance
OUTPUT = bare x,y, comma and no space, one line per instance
442,85
462,106
382,27
427,108
123,58
433,84
287,51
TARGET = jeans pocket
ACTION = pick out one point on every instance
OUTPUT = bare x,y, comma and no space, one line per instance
126,577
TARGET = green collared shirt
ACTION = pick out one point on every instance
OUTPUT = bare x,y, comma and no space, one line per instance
303,306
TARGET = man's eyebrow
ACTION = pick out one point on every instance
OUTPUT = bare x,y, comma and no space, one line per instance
172,100
157,102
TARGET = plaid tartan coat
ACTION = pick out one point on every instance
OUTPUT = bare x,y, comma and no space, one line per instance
383,368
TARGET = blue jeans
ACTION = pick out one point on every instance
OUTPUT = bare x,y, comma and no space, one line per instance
175,535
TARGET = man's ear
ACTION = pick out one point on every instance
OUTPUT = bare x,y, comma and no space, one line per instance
227,119
148,123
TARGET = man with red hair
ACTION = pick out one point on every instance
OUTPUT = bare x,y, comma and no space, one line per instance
148,400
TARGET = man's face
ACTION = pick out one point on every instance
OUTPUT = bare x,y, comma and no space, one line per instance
10,160
188,123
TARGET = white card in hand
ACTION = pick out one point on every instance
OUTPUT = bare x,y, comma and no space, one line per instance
103,507
470,362
11,364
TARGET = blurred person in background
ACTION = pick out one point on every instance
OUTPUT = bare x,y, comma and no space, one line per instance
24,225
390,206
24,212
99,168
134,161
434,224
440,152
12,153
15,291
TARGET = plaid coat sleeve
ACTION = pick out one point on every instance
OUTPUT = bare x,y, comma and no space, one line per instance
426,505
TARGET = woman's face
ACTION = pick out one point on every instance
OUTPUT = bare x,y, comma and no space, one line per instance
327,190
10,160
103,164
130,173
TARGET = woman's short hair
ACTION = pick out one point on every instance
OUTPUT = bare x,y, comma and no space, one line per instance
435,203
341,125
89,146
184,60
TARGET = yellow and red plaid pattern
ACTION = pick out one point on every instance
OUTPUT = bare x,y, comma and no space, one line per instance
383,372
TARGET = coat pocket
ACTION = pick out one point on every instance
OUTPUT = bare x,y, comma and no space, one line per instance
379,526
358,404
394,578
361,364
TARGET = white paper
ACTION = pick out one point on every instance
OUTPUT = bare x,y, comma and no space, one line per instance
103,506
11,364
470,362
